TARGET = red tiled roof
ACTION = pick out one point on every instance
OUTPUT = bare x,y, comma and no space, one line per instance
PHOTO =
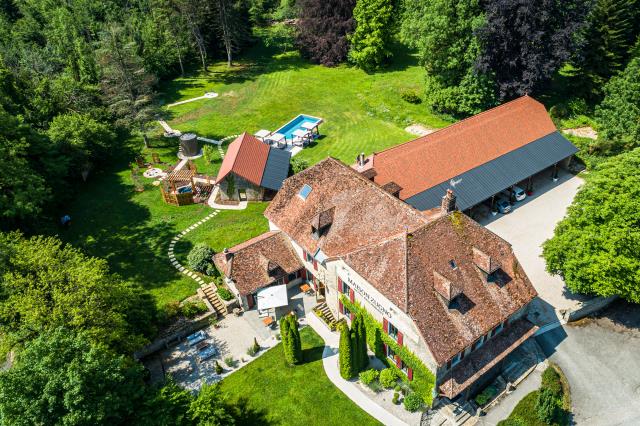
361,212
422,163
253,262
246,157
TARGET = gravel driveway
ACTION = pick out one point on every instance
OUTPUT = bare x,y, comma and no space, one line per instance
601,359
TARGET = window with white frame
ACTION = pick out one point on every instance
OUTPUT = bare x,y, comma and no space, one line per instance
345,288
392,331
391,354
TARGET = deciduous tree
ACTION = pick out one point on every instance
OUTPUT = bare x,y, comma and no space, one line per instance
525,42
595,247
323,30
371,39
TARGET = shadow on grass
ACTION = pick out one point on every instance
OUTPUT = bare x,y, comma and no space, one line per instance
246,415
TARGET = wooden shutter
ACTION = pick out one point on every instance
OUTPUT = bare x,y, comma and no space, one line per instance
398,362
250,300
315,264
410,374
340,307
384,345
304,274
304,255
352,295
351,316
339,285
385,325
286,279
400,338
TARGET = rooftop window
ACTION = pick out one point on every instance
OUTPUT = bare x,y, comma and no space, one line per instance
452,263
304,191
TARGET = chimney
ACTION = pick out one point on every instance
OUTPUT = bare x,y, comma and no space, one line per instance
448,202
360,159
227,254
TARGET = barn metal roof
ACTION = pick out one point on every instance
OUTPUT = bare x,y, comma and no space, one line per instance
480,183
276,169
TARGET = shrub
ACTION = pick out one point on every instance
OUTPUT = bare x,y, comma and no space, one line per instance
251,351
410,96
388,378
397,388
256,346
211,270
298,165
192,309
368,376
486,395
172,309
219,368
396,395
208,152
344,350
558,111
551,381
547,406
199,257
224,293
230,362
412,402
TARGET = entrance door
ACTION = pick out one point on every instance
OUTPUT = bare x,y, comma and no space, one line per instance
250,301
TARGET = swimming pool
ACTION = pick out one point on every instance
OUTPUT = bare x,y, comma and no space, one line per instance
295,124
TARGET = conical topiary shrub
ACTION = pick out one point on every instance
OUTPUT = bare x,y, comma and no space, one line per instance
346,367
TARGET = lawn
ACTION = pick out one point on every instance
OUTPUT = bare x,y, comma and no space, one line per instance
266,88
132,230
302,395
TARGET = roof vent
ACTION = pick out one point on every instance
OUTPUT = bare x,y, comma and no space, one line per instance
484,262
227,254
272,268
445,288
304,191
360,159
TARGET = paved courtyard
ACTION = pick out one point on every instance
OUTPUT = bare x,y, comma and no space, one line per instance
231,337
601,360
531,223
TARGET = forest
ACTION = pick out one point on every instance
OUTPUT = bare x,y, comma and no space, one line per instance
79,90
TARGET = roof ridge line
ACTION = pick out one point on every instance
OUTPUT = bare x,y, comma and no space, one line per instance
456,123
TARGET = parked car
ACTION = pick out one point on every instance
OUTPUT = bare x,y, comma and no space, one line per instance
519,193
503,205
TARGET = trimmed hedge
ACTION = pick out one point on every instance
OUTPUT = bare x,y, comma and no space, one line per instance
423,381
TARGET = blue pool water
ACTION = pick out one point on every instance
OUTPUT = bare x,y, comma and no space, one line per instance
288,129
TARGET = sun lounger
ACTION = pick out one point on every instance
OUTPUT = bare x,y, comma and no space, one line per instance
196,338
207,353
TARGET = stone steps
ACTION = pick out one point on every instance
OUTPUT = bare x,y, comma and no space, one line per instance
327,314
211,295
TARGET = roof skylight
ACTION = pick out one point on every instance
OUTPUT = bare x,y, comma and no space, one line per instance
304,191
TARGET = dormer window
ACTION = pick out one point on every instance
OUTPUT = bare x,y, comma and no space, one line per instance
446,289
304,191
487,264
321,223
453,264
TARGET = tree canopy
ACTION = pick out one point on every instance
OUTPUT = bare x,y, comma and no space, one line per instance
371,39
595,247
618,115
64,378
323,29
45,285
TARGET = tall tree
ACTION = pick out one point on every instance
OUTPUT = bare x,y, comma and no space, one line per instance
618,115
233,25
64,378
371,39
595,247
606,41
323,30
192,13
208,408
345,352
127,87
525,42
443,32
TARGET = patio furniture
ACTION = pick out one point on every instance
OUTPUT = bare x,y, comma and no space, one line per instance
262,134
305,288
302,135
202,345
308,125
196,338
263,313
207,353
268,322
276,139
237,312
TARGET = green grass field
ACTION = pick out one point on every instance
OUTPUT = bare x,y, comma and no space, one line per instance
302,395
264,90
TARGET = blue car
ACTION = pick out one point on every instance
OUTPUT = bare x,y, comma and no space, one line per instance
503,205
